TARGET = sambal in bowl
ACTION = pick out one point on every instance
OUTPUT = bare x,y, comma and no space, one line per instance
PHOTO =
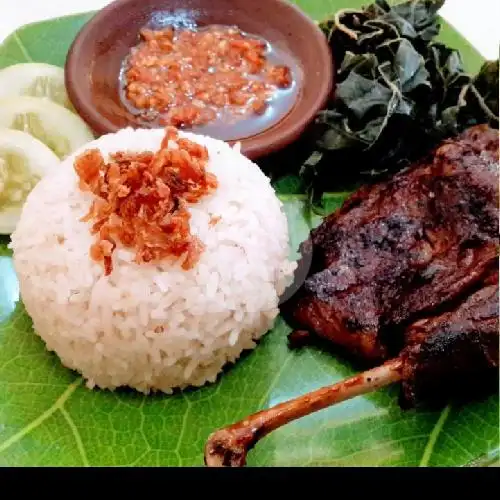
254,73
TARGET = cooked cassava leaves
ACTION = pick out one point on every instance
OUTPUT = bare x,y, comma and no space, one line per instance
398,93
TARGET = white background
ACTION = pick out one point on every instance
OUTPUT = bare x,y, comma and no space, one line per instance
477,20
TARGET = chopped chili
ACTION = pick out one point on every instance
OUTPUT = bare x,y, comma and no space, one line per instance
141,200
188,77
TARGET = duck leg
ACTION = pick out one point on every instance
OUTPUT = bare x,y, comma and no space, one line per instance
228,447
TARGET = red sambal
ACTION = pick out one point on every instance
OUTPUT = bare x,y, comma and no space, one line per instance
192,77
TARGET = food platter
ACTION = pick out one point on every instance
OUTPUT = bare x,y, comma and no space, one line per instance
49,417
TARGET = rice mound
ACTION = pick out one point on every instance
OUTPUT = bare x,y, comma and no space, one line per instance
155,326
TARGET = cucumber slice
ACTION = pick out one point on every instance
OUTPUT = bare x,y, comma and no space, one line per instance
58,128
24,160
35,80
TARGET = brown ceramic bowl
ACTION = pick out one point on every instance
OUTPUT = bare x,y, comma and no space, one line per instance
94,60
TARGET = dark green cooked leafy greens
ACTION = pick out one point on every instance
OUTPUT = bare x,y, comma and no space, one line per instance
399,92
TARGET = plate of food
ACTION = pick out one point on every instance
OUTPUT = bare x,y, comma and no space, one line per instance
235,236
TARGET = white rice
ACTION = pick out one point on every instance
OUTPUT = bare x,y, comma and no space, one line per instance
154,326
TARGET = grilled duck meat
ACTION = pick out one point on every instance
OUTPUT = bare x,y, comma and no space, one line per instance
455,353
399,249
406,270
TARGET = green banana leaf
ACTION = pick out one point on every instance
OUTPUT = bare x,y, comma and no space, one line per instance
48,418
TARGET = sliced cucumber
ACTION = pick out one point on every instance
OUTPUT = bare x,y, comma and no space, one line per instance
24,160
34,80
58,128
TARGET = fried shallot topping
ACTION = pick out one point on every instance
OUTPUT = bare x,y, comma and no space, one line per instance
141,200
